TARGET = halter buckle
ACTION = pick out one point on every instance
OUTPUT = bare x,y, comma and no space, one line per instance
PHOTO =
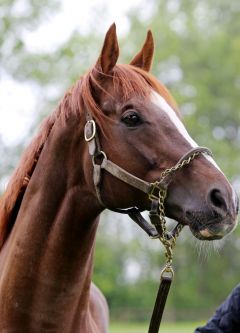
154,190
101,156
89,130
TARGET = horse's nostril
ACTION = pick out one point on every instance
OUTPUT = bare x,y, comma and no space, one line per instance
189,215
236,203
217,200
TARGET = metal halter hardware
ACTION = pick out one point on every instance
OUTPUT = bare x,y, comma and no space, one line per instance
156,192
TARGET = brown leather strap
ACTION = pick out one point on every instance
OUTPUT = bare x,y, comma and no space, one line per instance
125,176
160,304
136,216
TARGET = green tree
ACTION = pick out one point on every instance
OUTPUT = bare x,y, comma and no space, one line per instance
44,71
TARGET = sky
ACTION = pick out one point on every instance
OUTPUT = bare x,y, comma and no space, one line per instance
16,116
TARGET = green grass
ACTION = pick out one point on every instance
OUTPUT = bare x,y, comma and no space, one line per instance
143,328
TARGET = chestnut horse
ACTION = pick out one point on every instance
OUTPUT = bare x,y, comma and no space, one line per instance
49,212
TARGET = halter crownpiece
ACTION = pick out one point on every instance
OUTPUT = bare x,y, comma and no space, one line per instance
157,192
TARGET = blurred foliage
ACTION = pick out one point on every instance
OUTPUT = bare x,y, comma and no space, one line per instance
197,57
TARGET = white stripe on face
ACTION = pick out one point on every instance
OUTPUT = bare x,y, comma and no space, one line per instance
164,106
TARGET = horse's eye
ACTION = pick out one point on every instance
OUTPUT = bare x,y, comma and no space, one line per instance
131,119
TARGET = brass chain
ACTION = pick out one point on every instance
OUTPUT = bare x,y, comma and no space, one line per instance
170,242
179,166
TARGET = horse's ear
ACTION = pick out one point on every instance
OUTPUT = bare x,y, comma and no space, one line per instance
144,58
110,51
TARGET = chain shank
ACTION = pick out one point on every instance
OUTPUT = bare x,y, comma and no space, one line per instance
167,239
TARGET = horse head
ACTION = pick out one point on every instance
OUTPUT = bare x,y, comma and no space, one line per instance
140,129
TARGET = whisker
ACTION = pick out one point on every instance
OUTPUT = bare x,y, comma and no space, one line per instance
205,249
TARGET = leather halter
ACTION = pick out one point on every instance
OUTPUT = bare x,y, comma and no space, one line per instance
156,193
100,161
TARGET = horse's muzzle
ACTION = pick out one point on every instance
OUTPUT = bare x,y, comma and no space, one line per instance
217,218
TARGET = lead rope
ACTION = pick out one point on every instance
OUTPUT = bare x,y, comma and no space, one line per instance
167,239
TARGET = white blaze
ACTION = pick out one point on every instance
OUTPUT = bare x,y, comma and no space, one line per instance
164,106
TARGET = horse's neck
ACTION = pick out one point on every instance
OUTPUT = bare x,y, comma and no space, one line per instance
47,270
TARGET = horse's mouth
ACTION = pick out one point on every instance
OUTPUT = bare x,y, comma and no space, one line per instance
212,230
207,234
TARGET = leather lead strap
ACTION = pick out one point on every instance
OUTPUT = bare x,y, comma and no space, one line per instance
160,304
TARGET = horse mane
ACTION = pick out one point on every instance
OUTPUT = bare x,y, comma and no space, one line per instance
79,98
131,79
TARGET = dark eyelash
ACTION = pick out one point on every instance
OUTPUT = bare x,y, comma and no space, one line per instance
127,107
